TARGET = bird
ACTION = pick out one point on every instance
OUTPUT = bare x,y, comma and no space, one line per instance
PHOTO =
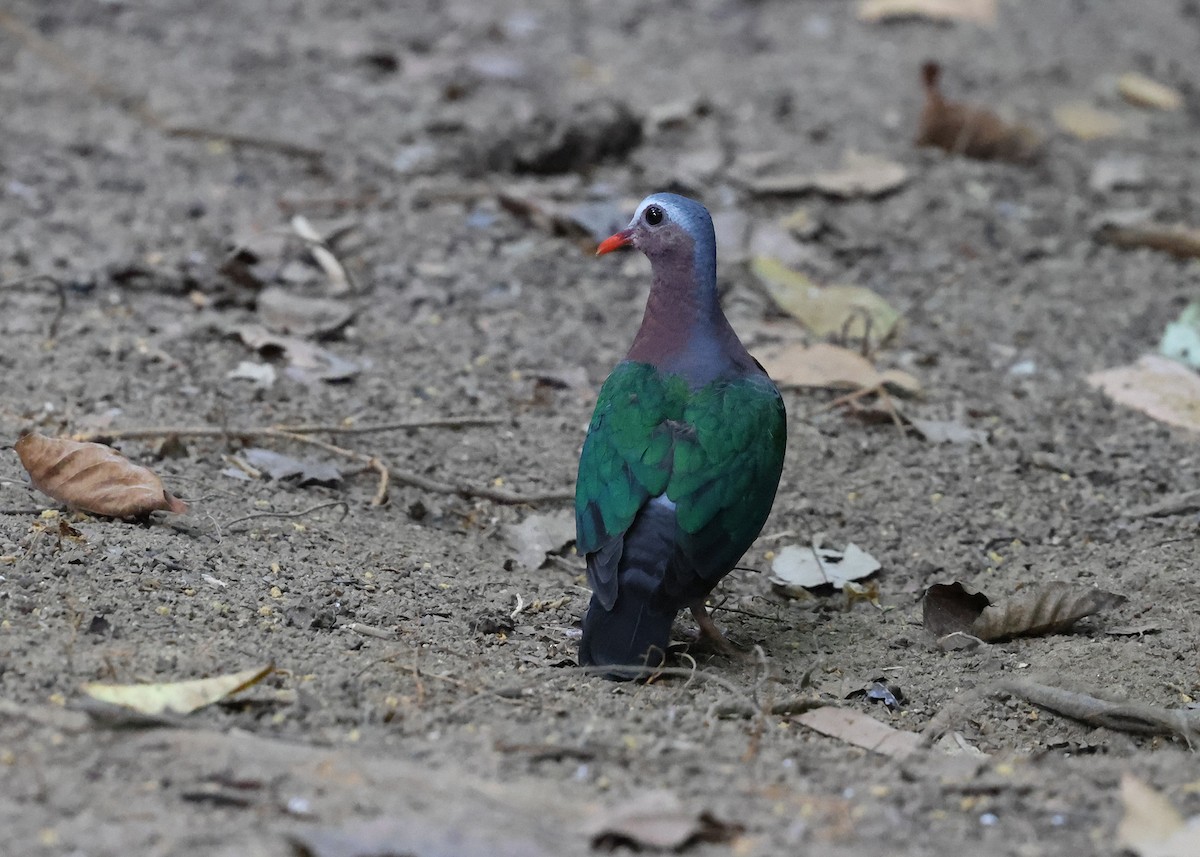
683,454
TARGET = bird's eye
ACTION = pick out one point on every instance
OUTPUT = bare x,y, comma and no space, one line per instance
654,215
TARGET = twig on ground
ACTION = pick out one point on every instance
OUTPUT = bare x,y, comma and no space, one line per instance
345,511
1123,716
300,434
52,330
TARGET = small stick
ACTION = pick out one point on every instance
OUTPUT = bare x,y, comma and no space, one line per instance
52,331
301,514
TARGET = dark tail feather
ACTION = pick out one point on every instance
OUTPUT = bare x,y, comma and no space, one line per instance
630,640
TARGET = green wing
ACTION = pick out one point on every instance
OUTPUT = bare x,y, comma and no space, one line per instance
717,452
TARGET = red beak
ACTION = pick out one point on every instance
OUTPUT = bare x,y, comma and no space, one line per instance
614,242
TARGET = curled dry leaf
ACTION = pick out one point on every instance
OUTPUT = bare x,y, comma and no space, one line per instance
1157,386
831,367
940,11
853,311
967,129
1145,92
177,697
1046,609
659,821
93,478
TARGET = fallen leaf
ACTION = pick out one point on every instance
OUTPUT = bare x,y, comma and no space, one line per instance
1158,386
1151,826
811,566
1085,122
939,11
861,730
949,431
1038,610
308,361
656,820
286,312
1144,92
539,535
179,697
966,129
279,467
858,175
831,367
1181,338
852,311
93,478
1178,239
262,374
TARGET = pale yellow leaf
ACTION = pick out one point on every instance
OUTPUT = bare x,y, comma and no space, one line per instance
179,697
944,11
830,367
852,311
1086,122
1152,827
1157,386
861,730
1144,92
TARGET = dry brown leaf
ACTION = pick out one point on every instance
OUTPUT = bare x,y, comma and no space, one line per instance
1046,609
966,129
656,820
940,11
1145,92
1151,826
831,367
1157,386
1178,239
860,175
93,478
1086,122
861,730
853,311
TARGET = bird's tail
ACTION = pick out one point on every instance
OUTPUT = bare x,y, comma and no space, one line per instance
630,641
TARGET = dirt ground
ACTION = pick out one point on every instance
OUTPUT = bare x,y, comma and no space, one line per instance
410,689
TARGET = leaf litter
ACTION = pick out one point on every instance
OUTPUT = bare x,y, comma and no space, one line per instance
967,129
94,478
851,311
1158,386
537,536
1143,91
281,467
797,568
831,367
178,697
307,362
1151,826
656,820
1049,608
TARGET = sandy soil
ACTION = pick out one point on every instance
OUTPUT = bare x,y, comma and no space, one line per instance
410,691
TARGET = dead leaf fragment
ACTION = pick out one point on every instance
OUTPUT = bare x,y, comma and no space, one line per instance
539,535
93,477
967,129
949,431
853,311
656,820
1085,122
1181,338
861,730
861,175
283,311
938,11
1046,609
179,697
1151,826
280,467
309,362
1145,92
831,367
1157,386
812,566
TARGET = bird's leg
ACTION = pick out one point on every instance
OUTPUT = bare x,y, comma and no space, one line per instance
709,630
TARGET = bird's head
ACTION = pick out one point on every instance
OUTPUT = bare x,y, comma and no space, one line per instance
669,229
